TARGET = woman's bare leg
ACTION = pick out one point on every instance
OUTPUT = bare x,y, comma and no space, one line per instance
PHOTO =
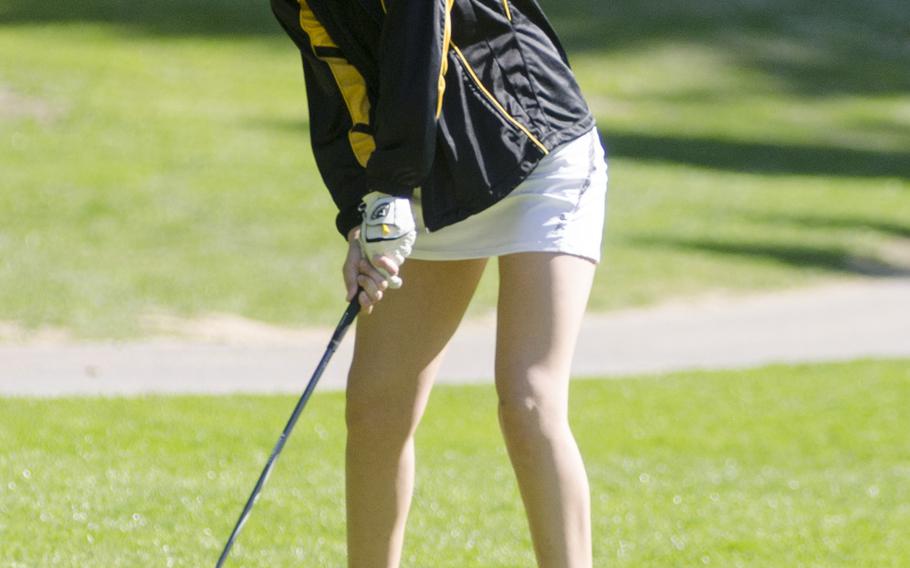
396,356
542,298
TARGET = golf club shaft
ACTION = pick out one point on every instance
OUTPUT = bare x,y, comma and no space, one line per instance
349,315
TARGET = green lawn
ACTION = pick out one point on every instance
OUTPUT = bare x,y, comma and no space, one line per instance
780,466
156,158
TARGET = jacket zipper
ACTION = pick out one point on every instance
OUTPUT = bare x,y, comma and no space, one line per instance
495,103
505,6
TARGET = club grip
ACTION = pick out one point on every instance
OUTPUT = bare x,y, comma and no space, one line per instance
350,314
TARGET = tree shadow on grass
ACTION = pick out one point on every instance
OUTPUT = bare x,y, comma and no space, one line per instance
162,17
828,259
758,157
812,47
816,47
850,223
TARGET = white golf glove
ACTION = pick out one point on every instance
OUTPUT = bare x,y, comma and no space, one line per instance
387,230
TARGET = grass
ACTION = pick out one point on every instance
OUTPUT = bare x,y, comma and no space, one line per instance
780,466
156,158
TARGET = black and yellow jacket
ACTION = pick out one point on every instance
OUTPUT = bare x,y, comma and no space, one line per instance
459,97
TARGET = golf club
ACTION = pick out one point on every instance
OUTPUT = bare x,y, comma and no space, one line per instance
349,315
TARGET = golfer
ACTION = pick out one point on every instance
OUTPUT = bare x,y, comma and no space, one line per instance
452,132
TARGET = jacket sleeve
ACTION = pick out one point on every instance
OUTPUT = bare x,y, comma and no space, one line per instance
331,133
412,60
394,151
338,111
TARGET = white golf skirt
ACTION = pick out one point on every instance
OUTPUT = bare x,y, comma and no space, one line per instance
559,207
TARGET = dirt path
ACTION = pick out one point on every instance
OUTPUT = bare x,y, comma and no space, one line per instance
866,318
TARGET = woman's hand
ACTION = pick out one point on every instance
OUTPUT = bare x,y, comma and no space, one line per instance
359,273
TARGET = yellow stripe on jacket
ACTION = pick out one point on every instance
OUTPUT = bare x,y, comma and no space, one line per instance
444,65
349,80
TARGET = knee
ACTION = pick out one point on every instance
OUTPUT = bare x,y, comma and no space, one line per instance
373,416
368,417
532,413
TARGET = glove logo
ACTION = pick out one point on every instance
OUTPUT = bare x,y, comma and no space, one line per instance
380,212
387,230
